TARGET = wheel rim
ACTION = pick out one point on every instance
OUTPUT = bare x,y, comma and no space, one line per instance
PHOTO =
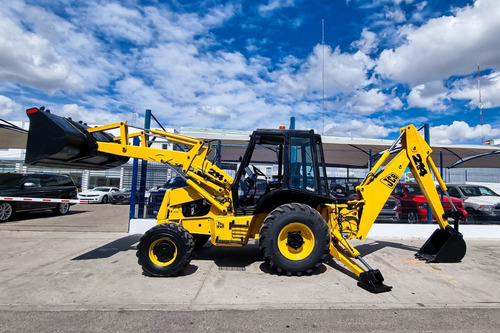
412,218
296,241
5,211
63,208
162,252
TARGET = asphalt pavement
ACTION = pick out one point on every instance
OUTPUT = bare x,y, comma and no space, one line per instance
79,273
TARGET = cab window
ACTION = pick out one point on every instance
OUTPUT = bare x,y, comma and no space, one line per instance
302,171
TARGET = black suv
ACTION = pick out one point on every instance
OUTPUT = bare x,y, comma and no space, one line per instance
38,185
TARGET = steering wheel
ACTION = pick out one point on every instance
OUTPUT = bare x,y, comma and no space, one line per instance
257,171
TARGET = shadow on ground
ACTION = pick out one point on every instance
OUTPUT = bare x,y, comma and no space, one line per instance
123,244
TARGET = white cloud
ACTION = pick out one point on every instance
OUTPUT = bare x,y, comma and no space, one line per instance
344,73
93,117
30,59
8,107
273,5
446,46
368,42
217,111
432,96
468,89
460,131
395,14
358,129
98,58
118,22
373,100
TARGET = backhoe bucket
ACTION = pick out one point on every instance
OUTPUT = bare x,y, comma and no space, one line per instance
444,245
60,142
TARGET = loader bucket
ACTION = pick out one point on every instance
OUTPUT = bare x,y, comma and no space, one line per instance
444,245
60,142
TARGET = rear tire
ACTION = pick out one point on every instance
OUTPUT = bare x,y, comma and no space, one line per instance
6,211
294,239
165,250
471,218
61,208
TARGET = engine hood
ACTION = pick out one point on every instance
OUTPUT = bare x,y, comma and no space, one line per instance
483,200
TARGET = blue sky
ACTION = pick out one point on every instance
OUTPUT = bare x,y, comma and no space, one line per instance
245,64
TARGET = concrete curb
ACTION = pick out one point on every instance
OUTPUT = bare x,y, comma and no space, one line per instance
392,230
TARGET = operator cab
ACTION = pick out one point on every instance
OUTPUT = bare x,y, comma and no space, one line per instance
294,167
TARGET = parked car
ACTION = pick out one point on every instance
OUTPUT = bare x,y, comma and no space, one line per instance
482,203
414,205
390,213
36,185
121,197
101,194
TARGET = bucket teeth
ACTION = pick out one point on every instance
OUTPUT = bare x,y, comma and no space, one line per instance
424,257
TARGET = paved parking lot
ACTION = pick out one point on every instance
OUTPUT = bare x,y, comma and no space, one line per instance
79,273
81,217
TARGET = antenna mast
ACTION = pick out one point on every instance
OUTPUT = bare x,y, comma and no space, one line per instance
323,72
480,101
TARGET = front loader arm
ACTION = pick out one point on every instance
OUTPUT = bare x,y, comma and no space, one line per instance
55,140
211,182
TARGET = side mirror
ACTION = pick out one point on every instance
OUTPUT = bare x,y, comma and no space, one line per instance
28,184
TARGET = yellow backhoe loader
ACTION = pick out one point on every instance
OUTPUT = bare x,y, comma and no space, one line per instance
297,222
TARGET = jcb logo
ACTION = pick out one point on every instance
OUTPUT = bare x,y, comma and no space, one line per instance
390,180
220,225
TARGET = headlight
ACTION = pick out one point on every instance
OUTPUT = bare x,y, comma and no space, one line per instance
423,205
487,208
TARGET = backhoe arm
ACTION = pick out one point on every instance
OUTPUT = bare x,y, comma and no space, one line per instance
355,219
376,188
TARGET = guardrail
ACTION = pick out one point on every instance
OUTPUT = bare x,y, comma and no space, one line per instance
43,200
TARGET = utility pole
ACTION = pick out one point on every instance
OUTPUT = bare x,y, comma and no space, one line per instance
480,101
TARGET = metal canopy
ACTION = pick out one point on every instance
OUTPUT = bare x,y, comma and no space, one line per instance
339,151
12,137
355,153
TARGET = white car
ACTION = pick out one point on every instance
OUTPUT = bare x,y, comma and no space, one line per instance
482,203
99,194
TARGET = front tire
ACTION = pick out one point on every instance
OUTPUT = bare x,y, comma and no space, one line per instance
165,250
104,199
294,239
412,216
6,211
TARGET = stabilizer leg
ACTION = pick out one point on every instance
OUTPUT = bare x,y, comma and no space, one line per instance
371,279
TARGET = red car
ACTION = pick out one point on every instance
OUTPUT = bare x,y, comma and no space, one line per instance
414,205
